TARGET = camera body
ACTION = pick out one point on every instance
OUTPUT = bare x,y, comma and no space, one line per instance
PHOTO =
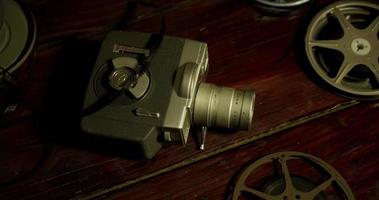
160,97
164,110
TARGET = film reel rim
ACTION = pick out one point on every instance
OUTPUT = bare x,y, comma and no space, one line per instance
346,87
283,4
335,177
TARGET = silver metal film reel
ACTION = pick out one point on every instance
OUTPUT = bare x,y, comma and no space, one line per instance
280,6
342,48
283,3
290,186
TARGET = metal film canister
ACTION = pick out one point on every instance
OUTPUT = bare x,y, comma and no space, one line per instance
17,35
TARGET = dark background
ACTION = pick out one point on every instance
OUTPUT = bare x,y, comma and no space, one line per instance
45,156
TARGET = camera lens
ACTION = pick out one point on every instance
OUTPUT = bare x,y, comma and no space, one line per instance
223,107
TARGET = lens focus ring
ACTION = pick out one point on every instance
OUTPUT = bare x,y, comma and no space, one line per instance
223,107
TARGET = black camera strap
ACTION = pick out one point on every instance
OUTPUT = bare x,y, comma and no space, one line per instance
152,44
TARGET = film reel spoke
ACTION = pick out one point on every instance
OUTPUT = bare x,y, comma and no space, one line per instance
345,68
276,167
374,68
328,44
259,194
322,187
343,21
289,187
374,26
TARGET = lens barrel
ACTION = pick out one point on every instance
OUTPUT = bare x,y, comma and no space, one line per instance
223,107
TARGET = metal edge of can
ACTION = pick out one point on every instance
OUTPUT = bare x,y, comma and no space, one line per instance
30,43
1,13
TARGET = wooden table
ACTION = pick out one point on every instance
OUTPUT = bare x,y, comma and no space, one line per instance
45,156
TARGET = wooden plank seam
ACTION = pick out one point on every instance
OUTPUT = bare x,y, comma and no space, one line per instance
277,129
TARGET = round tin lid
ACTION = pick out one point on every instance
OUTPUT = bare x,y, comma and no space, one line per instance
17,35
1,13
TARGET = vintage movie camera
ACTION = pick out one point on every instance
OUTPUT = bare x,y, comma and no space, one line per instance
148,89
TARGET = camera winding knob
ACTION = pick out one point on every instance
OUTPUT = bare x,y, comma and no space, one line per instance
125,77
121,78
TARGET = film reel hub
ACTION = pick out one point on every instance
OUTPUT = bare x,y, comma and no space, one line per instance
277,186
361,46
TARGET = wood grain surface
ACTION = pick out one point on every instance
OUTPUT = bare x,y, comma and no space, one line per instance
346,140
46,156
